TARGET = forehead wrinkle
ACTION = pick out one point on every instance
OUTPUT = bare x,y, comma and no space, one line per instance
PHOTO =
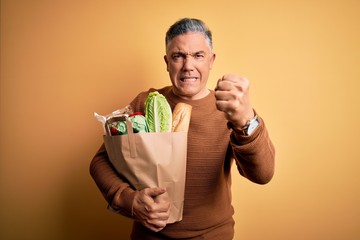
186,52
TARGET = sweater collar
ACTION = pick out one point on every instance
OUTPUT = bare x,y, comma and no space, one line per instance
198,102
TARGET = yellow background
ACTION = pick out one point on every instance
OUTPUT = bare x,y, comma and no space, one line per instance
63,60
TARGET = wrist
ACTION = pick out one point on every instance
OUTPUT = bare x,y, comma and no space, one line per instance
244,120
122,201
246,129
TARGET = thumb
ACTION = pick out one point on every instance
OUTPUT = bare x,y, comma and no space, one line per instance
154,192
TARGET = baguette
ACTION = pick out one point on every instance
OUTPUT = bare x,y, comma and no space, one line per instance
181,117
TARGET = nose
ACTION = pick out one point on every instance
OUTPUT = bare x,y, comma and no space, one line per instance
188,63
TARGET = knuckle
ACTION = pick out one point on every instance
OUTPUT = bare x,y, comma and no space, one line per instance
245,82
150,208
150,217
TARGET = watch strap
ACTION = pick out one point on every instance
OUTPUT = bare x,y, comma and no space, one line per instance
248,129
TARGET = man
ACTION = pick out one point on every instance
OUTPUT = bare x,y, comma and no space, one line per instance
223,128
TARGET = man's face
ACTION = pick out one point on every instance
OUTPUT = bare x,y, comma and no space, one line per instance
189,60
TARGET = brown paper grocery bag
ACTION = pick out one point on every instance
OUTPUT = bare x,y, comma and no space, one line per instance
152,160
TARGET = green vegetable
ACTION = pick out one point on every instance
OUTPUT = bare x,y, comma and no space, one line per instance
158,113
139,124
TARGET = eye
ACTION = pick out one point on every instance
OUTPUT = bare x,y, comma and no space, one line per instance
177,57
199,55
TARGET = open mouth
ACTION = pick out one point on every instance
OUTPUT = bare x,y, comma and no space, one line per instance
188,79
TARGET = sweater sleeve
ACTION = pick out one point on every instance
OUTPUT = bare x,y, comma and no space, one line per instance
116,192
254,154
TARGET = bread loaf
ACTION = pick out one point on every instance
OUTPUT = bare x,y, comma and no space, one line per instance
181,117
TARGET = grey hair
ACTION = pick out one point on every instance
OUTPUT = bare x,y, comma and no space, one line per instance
185,25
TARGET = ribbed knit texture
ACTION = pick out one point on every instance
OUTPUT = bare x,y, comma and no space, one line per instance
207,189
207,206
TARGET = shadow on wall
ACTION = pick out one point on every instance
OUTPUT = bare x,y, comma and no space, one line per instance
85,215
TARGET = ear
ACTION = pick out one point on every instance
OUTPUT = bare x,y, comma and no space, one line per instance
212,60
167,63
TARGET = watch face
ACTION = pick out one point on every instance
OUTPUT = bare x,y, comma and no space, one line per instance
253,125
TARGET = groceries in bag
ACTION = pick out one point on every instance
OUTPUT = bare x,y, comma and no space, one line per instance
158,117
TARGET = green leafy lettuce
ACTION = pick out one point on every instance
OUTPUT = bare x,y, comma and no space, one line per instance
158,113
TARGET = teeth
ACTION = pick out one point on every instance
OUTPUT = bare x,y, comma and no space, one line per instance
189,79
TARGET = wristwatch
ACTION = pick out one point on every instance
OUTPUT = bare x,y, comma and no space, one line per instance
249,128
251,125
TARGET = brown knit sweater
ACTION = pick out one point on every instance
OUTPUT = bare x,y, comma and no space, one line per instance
211,149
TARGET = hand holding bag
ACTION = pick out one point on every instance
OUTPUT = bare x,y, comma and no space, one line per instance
155,159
